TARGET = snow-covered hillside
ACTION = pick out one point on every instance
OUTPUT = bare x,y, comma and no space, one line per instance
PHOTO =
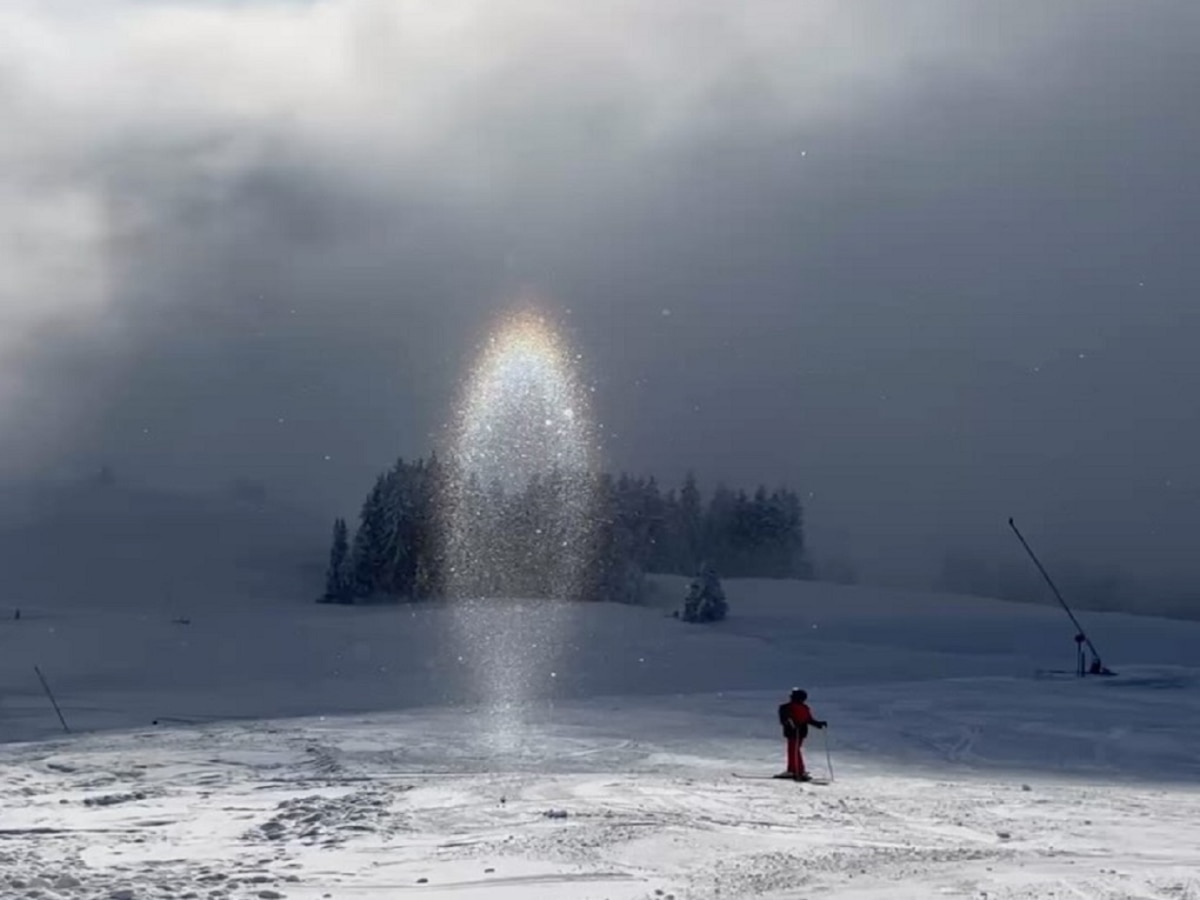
119,667
957,772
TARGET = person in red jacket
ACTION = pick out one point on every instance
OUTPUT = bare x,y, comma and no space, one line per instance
795,717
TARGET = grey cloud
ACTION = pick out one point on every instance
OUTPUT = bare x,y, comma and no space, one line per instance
929,260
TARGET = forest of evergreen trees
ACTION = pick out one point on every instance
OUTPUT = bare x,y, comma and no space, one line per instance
396,552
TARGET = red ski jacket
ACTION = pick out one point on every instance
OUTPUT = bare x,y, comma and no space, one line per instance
795,718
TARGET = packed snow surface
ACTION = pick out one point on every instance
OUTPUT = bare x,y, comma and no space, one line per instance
313,752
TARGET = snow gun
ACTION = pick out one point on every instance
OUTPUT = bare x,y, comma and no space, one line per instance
1081,638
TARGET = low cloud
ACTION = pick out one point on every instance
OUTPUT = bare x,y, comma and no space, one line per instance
926,259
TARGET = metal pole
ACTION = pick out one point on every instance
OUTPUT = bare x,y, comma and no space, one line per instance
53,702
1050,581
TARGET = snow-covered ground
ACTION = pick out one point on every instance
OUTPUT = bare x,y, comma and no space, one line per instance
958,773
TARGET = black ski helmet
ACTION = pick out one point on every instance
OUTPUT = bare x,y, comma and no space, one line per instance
798,695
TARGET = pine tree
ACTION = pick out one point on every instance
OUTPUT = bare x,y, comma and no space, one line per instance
403,519
653,511
369,554
669,549
792,513
720,527
337,576
429,574
691,524
614,573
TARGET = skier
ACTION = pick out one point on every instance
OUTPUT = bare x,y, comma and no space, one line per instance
795,717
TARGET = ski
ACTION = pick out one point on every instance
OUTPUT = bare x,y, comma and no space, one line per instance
819,781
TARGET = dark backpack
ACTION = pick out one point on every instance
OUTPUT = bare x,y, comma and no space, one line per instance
790,728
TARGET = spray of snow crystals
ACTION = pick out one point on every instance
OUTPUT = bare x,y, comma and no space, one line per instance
518,515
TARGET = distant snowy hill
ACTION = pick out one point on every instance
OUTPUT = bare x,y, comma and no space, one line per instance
101,546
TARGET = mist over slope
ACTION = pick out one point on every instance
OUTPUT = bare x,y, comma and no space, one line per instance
108,546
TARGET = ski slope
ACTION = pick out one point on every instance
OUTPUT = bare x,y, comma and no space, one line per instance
312,752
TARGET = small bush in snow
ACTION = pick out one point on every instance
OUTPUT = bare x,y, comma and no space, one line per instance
705,601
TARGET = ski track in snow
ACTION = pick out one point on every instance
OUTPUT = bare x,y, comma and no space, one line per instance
361,808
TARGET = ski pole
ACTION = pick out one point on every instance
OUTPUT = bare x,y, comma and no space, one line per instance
828,755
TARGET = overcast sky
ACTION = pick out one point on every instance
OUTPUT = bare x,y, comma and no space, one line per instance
935,262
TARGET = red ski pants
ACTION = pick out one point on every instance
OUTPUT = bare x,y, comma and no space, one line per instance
795,759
